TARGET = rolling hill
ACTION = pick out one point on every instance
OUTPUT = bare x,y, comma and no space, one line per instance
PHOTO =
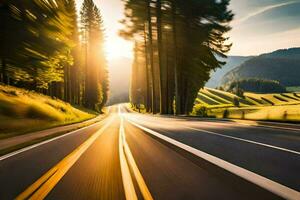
276,107
281,65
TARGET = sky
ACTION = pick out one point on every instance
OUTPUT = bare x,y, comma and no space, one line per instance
112,12
262,26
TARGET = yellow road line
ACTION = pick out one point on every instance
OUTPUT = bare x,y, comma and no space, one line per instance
138,176
41,188
136,172
130,193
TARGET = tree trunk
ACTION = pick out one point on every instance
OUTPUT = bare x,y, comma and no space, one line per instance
4,77
176,65
66,84
162,68
170,77
154,108
148,92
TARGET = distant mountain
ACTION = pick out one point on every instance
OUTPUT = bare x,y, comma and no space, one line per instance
292,53
231,63
281,65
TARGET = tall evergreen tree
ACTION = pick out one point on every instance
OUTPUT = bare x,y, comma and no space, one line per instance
182,48
96,83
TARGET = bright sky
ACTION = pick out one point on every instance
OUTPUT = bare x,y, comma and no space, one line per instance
260,26
112,12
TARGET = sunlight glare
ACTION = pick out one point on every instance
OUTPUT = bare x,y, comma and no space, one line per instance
117,47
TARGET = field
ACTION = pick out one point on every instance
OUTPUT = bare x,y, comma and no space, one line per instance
275,107
24,111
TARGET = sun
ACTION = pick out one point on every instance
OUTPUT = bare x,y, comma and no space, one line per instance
117,47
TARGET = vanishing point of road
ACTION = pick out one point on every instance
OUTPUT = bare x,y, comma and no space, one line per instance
134,156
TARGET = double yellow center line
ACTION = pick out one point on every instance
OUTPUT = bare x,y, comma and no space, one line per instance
43,186
127,162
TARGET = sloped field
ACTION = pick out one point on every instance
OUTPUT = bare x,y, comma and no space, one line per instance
23,111
277,107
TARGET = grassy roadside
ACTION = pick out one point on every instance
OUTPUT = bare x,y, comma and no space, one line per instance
23,111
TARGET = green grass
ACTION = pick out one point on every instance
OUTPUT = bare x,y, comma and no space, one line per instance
275,107
23,111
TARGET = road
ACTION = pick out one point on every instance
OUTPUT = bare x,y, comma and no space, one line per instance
134,156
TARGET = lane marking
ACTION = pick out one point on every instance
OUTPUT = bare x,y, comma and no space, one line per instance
241,139
235,122
41,188
250,123
130,160
244,140
48,141
130,193
259,180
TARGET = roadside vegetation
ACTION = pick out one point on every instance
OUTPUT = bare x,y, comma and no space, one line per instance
56,56
23,111
47,47
220,104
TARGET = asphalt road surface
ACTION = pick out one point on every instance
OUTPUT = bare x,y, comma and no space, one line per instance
134,156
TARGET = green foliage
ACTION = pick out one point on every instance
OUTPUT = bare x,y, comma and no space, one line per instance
200,110
236,102
256,86
43,45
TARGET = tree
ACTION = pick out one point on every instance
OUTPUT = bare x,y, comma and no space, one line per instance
96,83
180,66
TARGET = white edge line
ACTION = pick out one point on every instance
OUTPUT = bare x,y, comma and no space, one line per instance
261,181
229,121
244,140
46,141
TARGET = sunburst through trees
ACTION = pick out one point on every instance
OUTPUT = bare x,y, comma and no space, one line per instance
42,49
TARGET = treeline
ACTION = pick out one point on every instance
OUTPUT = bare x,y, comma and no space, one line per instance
176,45
44,48
255,85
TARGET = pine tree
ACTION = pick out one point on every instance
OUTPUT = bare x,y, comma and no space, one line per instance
96,83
